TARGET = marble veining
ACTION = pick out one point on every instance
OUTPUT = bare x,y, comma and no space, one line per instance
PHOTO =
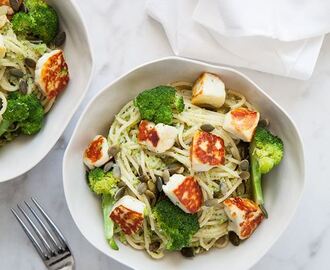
122,37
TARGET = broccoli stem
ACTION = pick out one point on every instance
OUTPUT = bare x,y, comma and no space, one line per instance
256,181
107,204
4,125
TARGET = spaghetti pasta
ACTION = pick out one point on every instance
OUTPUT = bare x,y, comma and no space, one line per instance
218,183
16,51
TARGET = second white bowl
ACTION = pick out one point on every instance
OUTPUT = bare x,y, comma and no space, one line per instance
24,153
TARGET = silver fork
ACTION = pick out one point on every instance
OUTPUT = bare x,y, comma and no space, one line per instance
47,239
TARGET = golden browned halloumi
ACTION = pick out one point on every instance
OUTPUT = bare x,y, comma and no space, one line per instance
128,213
96,154
52,73
208,151
185,192
208,91
158,138
244,216
241,122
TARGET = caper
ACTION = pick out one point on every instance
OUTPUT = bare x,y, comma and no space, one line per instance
15,5
234,239
59,39
211,202
143,178
30,62
244,165
244,175
151,186
241,189
108,166
263,123
23,8
150,195
16,72
166,176
121,184
116,171
222,240
207,127
141,188
159,183
154,246
113,150
23,86
243,149
175,168
120,193
140,171
187,252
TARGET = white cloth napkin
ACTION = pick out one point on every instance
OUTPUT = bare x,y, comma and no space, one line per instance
282,37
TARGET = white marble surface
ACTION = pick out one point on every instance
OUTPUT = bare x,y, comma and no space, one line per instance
123,37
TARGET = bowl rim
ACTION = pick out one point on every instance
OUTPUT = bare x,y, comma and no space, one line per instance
70,115
284,225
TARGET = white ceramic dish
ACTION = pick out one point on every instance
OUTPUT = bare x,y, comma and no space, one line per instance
282,191
24,153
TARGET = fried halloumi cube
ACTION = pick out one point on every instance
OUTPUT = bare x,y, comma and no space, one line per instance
96,154
52,73
242,123
158,138
207,151
185,192
244,216
208,91
128,213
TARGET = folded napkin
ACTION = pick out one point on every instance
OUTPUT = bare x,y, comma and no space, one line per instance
280,37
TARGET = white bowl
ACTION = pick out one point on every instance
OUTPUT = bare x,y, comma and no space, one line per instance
24,153
282,190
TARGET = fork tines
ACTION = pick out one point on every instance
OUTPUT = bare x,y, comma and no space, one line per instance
45,236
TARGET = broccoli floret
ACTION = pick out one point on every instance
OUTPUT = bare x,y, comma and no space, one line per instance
158,104
266,151
105,184
30,128
102,183
33,123
41,21
22,24
25,111
17,111
46,23
175,224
